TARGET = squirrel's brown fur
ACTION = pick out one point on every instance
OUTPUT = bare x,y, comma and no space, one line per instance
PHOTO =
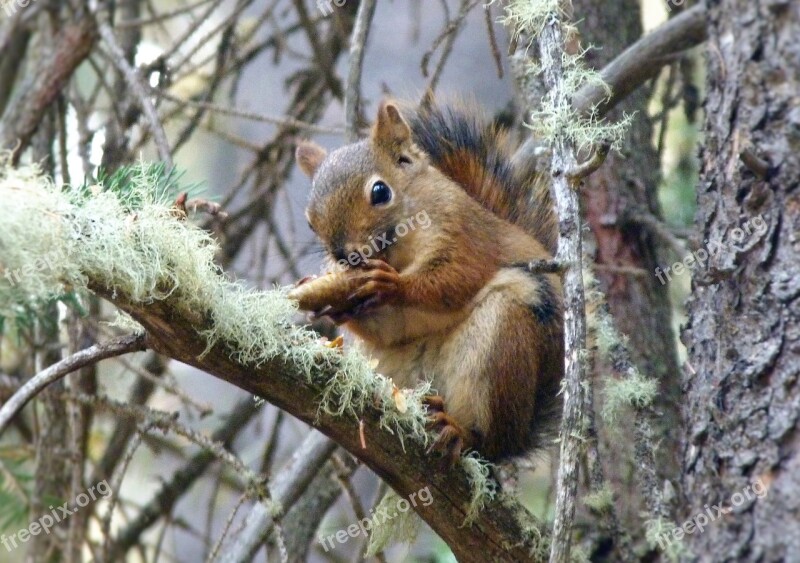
448,300
477,154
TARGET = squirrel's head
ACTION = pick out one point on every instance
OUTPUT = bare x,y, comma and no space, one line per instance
361,192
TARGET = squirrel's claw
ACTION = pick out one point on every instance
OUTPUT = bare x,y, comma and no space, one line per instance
435,403
451,439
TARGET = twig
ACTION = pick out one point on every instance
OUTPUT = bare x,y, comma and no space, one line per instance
137,22
213,555
22,116
352,93
544,267
449,37
756,164
117,56
321,55
286,488
116,484
645,442
563,161
643,60
234,112
596,474
182,479
637,64
581,171
92,355
498,59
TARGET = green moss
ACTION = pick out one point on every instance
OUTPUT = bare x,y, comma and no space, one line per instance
528,16
555,118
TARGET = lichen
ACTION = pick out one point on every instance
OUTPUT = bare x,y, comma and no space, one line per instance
138,247
634,390
402,527
600,500
556,118
484,487
658,533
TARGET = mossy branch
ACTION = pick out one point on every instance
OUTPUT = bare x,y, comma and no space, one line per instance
133,249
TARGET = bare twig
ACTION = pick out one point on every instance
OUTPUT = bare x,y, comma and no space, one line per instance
584,169
498,60
643,60
233,112
285,489
180,482
449,35
92,355
564,162
117,56
23,114
545,267
358,40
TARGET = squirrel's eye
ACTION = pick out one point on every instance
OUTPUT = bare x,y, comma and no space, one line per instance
381,193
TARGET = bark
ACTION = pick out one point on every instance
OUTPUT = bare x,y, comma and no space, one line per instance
743,399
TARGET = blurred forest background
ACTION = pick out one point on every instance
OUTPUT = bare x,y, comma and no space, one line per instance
235,85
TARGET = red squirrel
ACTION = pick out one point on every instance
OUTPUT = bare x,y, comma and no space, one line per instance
452,302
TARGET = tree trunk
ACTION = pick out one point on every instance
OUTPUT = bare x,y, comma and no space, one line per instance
640,305
743,399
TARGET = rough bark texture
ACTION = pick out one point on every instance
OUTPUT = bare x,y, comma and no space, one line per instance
640,304
743,399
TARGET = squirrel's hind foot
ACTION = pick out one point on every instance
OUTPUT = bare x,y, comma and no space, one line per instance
452,438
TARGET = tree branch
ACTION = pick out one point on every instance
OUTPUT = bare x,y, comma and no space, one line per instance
117,56
89,356
643,60
358,40
285,489
24,113
503,530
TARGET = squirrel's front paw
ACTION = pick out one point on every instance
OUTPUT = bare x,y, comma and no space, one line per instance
375,283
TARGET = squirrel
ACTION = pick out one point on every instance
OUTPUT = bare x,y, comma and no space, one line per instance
453,302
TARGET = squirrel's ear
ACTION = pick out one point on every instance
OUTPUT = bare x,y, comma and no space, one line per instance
309,156
390,129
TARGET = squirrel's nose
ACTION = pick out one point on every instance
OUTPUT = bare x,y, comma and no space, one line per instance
339,253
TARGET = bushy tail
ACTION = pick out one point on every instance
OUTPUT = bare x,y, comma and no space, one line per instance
477,155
